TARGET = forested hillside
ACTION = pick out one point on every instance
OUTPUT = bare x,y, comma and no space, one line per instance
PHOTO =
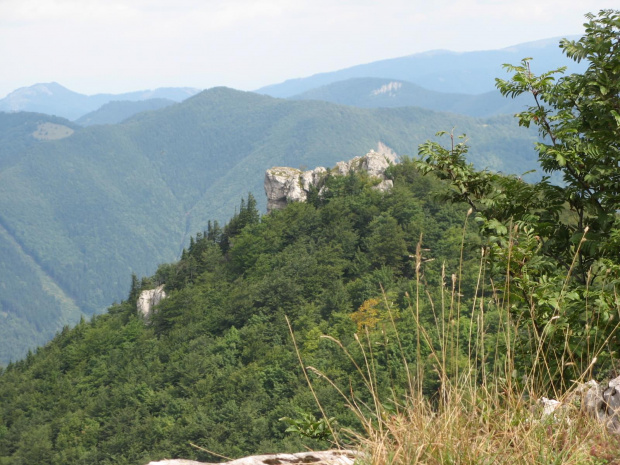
389,93
80,212
119,110
215,365
53,99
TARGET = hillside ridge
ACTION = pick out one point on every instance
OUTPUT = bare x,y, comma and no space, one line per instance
470,72
118,199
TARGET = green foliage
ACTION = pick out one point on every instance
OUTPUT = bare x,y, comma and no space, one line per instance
308,426
79,215
215,365
555,246
578,119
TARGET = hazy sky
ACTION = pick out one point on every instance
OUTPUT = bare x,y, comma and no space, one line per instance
94,46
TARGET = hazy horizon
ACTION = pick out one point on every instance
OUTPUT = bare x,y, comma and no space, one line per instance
117,46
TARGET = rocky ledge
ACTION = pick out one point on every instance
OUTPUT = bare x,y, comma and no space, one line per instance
284,185
330,457
149,299
600,401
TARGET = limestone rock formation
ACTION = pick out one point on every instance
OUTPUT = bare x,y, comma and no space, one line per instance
330,457
603,403
600,401
148,299
284,185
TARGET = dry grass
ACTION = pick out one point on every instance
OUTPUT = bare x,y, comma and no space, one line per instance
483,427
475,417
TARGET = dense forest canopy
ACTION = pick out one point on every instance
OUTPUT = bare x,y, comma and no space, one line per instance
215,365
79,214
504,274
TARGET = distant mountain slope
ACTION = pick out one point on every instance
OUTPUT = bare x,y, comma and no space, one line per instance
54,99
388,93
439,70
81,213
216,366
118,111
32,306
19,131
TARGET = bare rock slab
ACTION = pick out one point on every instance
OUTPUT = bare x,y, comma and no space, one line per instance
329,457
284,185
149,299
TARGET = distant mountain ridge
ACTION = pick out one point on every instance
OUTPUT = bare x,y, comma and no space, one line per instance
388,93
444,77
79,214
54,99
117,111
439,70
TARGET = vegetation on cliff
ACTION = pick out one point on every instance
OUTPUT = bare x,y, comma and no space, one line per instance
84,212
215,366
395,299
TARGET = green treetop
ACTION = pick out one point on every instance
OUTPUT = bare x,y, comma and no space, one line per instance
558,246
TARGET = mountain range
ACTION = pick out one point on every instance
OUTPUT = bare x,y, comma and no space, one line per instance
118,111
438,80
81,209
440,70
85,204
54,99
387,93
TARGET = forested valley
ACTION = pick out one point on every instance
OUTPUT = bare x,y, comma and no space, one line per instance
422,324
215,365
83,208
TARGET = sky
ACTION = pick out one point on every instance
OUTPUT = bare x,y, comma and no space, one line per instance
115,46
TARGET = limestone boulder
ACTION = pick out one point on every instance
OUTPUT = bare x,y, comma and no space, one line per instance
330,457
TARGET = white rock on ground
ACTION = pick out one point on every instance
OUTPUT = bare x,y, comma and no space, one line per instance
329,457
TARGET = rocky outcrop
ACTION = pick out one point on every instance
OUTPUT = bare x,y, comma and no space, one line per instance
284,185
599,401
330,457
149,299
603,403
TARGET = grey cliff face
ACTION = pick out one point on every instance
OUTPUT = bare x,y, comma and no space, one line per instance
149,299
284,185
603,403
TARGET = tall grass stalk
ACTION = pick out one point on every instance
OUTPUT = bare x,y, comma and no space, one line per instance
479,414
